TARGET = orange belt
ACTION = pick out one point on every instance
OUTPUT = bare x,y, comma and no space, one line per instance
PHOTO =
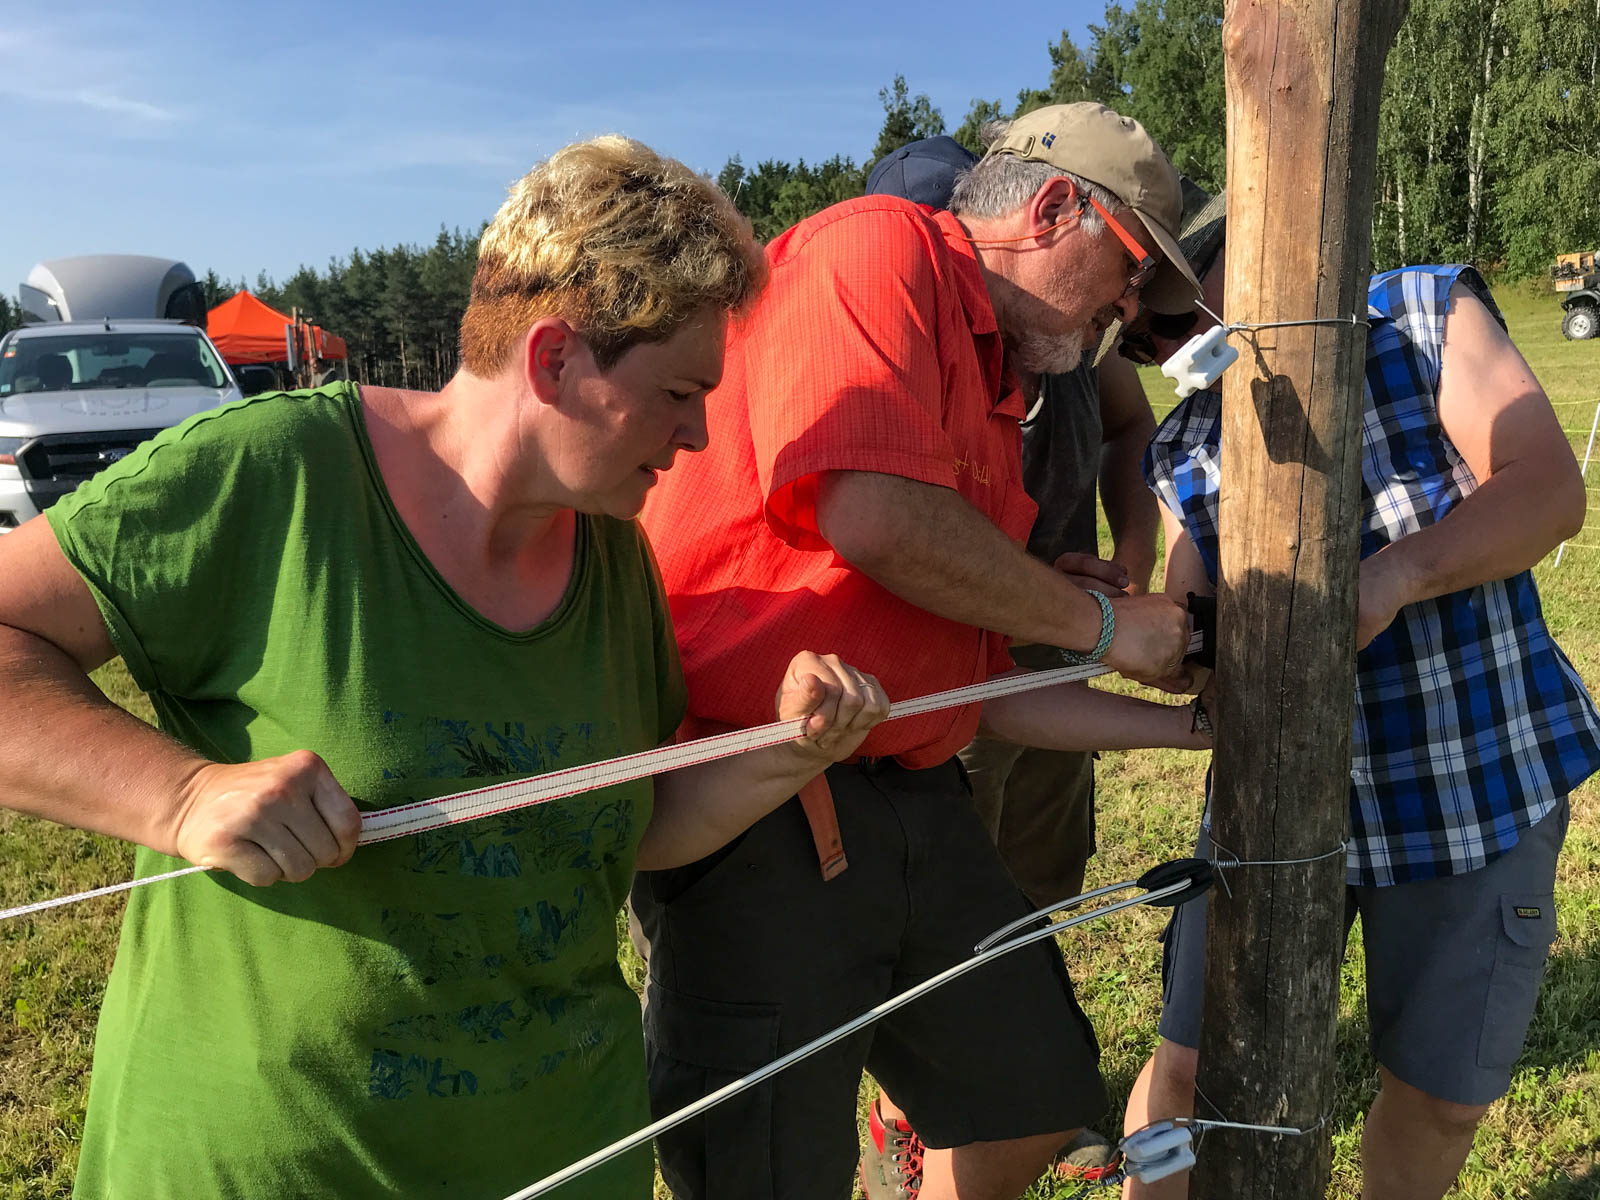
817,800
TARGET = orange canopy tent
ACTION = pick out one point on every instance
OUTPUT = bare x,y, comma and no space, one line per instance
248,331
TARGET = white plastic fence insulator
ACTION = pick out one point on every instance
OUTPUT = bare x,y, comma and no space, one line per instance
1200,361
1158,1150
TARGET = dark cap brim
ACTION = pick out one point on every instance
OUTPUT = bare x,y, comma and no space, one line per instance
1174,287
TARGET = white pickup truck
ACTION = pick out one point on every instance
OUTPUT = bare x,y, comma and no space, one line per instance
76,396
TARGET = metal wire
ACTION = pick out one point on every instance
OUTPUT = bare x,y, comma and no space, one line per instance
1235,326
1233,860
761,1074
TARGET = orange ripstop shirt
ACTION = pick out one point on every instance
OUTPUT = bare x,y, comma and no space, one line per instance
874,348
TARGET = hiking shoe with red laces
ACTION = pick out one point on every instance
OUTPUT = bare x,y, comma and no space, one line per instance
891,1169
1089,1158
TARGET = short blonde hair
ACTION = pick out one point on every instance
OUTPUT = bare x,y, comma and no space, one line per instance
624,244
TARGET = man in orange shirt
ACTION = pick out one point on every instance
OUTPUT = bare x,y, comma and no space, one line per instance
862,493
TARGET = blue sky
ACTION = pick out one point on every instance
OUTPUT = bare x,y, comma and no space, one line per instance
244,137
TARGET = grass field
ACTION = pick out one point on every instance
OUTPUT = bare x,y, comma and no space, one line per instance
1542,1142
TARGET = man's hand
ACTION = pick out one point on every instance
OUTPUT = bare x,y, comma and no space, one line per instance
1150,640
1381,594
1093,574
280,818
843,703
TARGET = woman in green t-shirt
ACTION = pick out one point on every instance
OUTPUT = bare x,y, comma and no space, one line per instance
424,589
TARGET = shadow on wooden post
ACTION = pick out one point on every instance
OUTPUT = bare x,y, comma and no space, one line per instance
1303,78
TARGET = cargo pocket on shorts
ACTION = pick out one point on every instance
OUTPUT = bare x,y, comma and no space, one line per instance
1528,926
672,884
696,1046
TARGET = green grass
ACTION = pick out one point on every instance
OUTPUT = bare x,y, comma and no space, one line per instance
1541,1142
52,972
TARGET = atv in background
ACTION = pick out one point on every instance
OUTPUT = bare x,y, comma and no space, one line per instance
1575,276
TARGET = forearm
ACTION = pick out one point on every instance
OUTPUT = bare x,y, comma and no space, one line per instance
1127,426
699,809
1186,570
930,547
1075,716
1511,521
1131,509
72,756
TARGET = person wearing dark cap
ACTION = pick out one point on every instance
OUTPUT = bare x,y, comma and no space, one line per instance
863,484
1092,423
1471,727
923,172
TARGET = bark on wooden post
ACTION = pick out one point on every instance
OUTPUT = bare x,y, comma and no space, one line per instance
1303,80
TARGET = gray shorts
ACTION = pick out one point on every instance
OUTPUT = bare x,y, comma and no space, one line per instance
752,954
1453,967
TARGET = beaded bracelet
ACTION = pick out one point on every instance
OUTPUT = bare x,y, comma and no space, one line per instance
1108,629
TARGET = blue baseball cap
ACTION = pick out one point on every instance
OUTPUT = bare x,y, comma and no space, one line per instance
923,172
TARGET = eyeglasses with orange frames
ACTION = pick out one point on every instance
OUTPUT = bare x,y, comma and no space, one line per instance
1146,263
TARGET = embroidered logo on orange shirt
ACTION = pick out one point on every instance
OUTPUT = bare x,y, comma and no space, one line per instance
980,474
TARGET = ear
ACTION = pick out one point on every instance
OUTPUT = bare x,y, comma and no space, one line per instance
548,349
1054,204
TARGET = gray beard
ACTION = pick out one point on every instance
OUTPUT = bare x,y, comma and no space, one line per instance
1041,355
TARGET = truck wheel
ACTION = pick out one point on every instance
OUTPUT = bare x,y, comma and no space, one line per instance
1580,323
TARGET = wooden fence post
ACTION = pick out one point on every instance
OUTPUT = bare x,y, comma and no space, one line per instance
1303,79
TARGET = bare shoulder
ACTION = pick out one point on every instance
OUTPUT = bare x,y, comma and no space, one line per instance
395,405
1479,357
1490,405
1471,329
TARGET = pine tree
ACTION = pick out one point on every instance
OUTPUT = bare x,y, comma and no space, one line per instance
1488,151
1165,58
970,132
906,118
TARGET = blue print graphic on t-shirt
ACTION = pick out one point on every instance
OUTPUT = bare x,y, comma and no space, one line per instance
396,1077
543,932
449,1050
579,831
461,749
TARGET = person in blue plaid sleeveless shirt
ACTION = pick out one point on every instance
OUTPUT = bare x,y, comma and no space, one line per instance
1471,727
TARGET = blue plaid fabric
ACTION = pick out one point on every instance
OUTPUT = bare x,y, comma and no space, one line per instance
1470,722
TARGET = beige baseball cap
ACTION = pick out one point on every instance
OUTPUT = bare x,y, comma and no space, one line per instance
1114,151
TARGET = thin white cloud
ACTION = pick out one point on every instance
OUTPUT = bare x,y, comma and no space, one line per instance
69,67
95,99
125,105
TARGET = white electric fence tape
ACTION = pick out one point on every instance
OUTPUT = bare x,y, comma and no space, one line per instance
424,815
25,909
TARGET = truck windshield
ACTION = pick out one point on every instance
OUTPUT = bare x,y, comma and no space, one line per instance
79,361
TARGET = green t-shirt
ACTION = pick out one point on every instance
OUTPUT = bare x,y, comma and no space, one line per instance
444,1015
